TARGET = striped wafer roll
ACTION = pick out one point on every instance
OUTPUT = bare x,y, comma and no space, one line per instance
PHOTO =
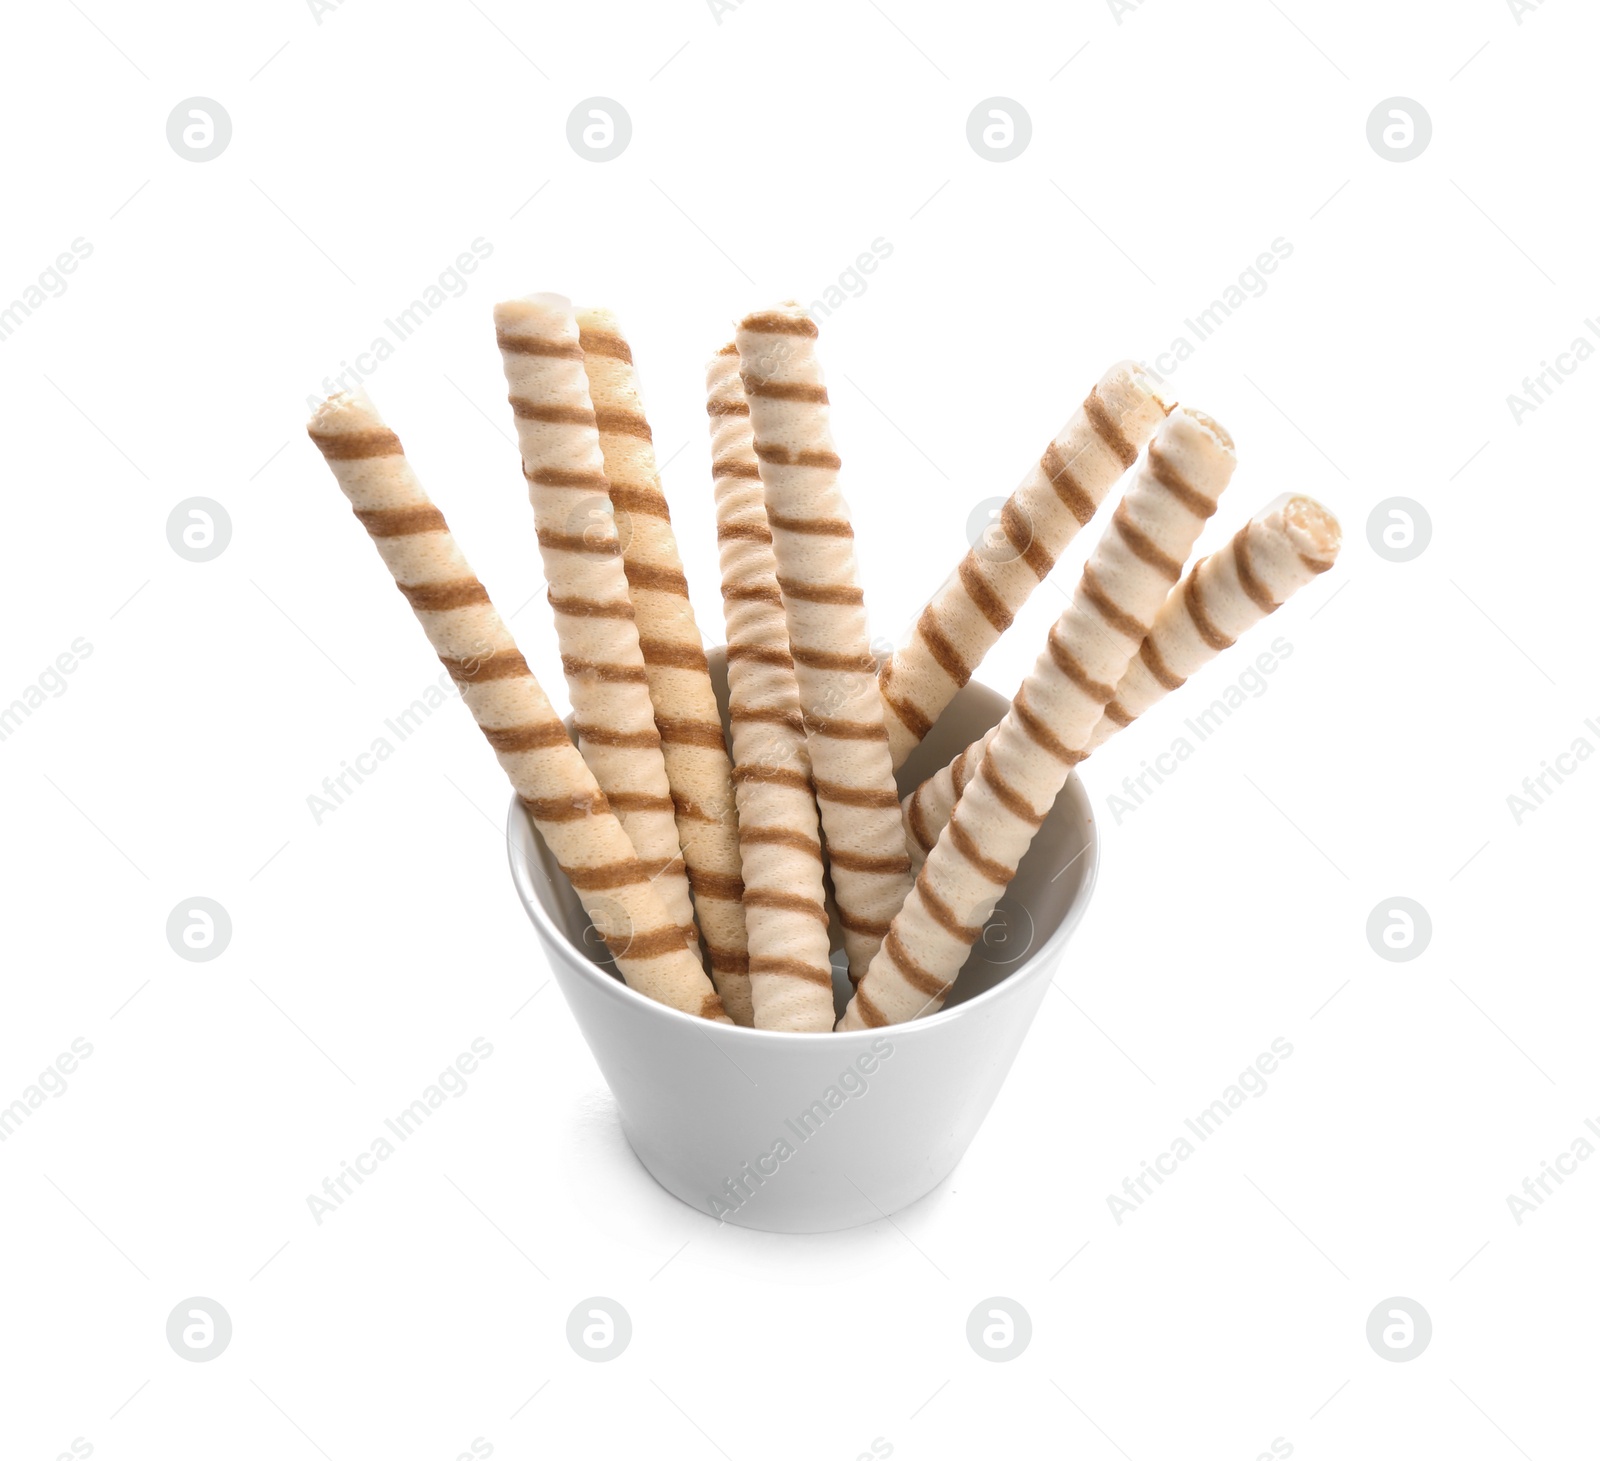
698,769
1286,545
791,980
928,808
558,789
978,602
1137,560
826,618
1273,556
578,541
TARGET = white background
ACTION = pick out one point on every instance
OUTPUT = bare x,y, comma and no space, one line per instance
1169,148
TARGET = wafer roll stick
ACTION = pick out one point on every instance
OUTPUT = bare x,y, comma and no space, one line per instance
555,785
594,617
1126,580
1272,557
791,979
690,726
978,602
1280,550
827,625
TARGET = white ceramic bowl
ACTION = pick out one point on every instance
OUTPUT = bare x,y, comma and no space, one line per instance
811,1133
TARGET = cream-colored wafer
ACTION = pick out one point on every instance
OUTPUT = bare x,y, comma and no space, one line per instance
791,980
1126,580
698,769
1274,555
595,629
558,789
978,602
826,618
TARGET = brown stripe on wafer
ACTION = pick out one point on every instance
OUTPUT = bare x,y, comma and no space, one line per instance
642,501
794,902
944,915
872,927
1141,547
945,654
603,342
748,471
793,719
1067,663
782,837
744,532
1019,533
537,345
503,664
459,593
591,608
961,773
1248,580
761,654
861,863
355,446
640,801
820,593
776,322
566,477
706,884
773,390
565,808
1058,473
795,968
657,579
672,656
995,872
1125,624
598,547
1157,666
753,593
608,875
821,659
871,1016
985,599
608,673
1107,428
845,730
854,796
915,975
679,732
728,961
527,737
727,408
401,522
910,715
526,410
825,527
772,776
1211,636
623,423
600,735
650,945
1117,715
1164,471
1007,795
1040,733
920,829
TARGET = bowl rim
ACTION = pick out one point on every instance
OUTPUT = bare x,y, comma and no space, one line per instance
520,832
